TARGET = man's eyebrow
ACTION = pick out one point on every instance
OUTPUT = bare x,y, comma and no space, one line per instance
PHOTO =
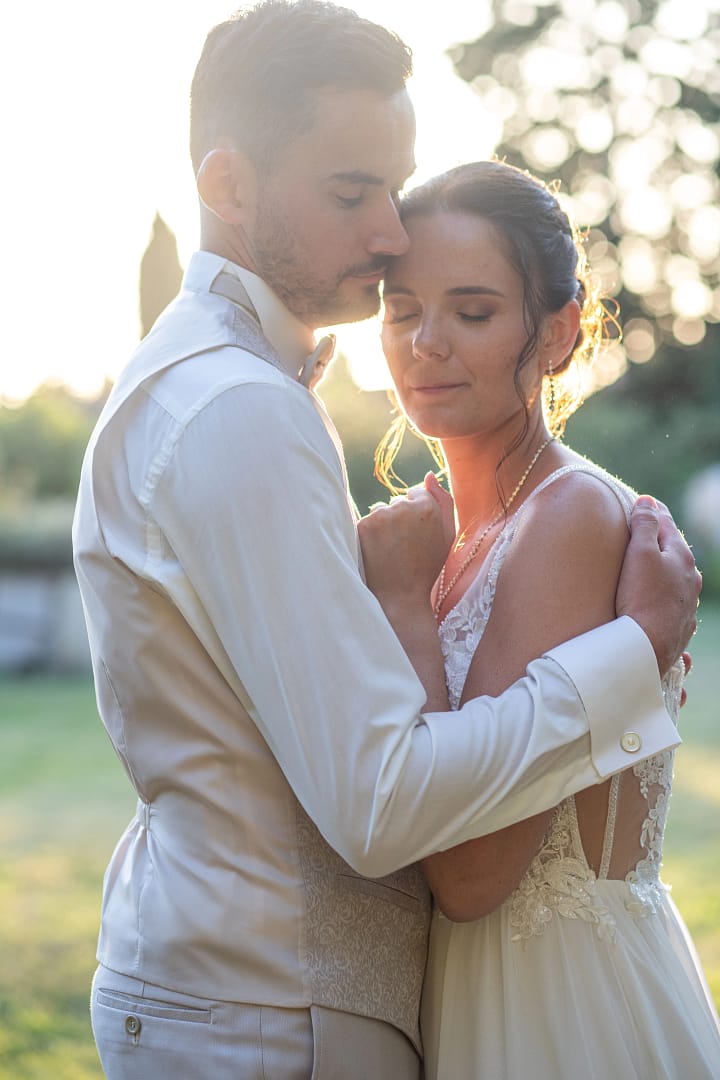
358,177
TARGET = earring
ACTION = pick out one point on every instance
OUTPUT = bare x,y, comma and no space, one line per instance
551,392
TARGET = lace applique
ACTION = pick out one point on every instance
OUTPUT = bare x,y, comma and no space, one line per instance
644,882
655,774
463,626
558,882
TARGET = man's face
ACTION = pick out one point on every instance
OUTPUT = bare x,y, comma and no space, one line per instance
326,216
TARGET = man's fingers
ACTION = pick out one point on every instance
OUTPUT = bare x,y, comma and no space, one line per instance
668,532
645,520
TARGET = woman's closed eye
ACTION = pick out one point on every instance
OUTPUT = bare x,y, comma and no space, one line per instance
393,316
475,316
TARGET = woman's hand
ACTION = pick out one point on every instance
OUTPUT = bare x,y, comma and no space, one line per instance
405,543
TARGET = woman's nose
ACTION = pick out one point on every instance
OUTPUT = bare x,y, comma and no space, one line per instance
429,341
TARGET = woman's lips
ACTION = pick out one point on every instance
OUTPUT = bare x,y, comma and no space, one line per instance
438,388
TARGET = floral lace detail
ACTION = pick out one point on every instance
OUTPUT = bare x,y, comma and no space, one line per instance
463,626
646,888
558,881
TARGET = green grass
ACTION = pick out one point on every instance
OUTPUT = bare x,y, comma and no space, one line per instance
64,800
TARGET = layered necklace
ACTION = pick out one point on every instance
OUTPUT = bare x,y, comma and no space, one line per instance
443,590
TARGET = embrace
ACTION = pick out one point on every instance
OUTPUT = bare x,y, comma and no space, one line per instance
401,782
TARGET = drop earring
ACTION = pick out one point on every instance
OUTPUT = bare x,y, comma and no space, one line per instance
551,392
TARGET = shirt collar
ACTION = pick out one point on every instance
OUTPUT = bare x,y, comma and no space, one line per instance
290,338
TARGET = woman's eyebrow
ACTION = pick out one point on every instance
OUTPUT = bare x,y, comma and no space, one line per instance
473,290
397,290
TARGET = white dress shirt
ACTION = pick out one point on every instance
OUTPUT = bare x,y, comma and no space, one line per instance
241,662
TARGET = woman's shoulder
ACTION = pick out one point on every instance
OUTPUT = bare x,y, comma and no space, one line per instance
579,512
581,489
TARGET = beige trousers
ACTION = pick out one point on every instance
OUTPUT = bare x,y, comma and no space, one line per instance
144,1032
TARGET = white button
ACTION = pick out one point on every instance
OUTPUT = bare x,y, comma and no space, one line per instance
631,742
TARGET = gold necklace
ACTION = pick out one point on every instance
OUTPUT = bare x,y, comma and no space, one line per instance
442,591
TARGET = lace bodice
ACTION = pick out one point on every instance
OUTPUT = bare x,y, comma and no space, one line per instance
560,881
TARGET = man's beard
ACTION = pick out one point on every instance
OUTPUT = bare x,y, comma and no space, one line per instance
291,276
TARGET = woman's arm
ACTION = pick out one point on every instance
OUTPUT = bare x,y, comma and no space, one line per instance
558,580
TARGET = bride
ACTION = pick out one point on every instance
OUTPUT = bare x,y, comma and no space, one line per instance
556,951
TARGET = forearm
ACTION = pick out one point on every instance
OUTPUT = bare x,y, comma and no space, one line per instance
473,879
416,629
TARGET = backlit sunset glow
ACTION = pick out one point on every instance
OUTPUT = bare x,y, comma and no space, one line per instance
97,143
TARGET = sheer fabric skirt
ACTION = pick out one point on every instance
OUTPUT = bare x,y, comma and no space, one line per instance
568,1003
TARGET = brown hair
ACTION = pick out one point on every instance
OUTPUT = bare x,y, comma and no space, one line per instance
258,71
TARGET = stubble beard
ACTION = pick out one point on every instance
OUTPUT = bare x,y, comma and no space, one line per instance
290,275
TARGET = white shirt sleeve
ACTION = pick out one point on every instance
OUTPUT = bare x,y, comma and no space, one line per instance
253,506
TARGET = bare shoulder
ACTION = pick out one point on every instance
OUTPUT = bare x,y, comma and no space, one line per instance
584,507
559,575
569,546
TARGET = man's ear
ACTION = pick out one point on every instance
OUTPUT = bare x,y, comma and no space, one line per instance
227,185
559,335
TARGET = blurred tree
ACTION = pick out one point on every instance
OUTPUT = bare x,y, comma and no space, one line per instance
42,443
160,273
621,101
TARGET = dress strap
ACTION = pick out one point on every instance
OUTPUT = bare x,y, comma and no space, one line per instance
609,838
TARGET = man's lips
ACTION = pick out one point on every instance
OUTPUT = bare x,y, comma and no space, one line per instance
373,277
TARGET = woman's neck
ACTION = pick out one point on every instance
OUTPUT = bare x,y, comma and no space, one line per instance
475,478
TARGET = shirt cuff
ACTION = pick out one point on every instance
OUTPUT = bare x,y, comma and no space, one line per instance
615,673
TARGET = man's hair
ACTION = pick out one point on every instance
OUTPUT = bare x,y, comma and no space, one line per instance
256,79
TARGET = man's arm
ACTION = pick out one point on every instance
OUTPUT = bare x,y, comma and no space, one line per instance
253,504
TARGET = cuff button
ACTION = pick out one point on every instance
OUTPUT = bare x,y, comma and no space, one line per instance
631,742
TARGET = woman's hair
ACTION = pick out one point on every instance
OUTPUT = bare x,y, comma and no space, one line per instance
546,250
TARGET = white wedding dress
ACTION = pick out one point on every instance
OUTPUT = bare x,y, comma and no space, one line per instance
579,975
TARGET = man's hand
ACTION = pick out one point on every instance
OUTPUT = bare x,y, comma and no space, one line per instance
659,585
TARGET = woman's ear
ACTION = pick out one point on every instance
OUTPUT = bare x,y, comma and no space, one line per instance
227,185
559,336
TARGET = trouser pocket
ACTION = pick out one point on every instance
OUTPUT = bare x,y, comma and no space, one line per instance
142,1038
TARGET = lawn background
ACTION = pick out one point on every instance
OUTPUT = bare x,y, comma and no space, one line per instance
64,801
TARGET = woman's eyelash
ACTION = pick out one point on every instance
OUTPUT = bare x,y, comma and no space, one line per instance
473,318
348,202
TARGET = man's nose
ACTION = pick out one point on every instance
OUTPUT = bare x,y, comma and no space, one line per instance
389,236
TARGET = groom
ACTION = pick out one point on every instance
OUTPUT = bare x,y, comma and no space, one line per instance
288,762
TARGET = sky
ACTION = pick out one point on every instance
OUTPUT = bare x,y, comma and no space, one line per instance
95,98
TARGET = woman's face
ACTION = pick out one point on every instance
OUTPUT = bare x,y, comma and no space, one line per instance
453,329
